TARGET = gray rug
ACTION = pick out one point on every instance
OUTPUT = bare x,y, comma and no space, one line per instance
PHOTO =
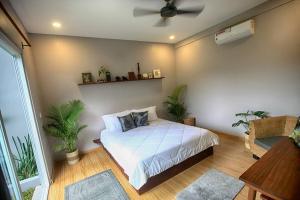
102,186
213,185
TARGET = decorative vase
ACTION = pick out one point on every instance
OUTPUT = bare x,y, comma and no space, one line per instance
139,72
108,77
102,76
73,157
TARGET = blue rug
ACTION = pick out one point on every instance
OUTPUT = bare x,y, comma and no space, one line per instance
102,186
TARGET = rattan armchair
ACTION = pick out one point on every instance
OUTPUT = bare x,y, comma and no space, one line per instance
269,129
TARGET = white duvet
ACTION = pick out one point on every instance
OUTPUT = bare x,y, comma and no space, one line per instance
147,151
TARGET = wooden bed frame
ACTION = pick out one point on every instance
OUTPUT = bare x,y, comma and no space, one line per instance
167,174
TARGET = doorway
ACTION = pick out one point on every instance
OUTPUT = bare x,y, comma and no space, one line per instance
23,169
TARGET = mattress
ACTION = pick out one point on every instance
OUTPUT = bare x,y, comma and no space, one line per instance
146,151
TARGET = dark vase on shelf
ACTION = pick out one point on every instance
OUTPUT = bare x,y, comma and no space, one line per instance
108,77
139,72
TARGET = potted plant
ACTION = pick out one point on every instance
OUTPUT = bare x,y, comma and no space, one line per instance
63,124
25,160
102,72
245,120
175,105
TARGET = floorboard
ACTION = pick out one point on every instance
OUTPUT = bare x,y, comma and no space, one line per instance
229,157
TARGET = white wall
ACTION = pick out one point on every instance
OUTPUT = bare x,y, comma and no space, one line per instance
257,73
60,60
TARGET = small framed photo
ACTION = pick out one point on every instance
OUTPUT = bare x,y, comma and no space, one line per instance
150,75
156,73
87,78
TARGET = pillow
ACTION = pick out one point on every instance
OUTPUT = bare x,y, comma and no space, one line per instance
140,118
151,112
112,122
127,122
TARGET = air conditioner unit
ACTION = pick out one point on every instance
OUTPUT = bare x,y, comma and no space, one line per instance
236,32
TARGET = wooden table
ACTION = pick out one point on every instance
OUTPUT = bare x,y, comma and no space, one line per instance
277,173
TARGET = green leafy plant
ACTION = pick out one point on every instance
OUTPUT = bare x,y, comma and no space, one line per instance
28,194
175,103
25,161
102,71
63,124
296,133
247,116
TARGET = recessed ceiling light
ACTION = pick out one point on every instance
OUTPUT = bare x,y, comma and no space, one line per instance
172,37
56,24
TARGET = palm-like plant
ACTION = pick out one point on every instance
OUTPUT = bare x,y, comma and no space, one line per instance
175,104
247,116
25,161
63,124
296,133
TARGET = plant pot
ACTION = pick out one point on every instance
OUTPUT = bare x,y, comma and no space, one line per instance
297,141
191,121
247,142
102,77
72,157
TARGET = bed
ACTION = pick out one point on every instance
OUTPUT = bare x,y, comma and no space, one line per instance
151,154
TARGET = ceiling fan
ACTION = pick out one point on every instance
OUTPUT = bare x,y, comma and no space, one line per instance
168,11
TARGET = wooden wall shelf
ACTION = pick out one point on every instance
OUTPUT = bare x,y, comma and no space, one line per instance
99,83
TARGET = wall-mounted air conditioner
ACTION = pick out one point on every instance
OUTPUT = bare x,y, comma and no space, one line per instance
236,32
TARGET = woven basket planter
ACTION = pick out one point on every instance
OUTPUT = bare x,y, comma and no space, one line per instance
247,142
72,157
191,121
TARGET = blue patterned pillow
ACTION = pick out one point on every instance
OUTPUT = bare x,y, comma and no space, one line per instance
140,118
127,122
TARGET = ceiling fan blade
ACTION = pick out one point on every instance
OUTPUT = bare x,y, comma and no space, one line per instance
164,21
192,12
138,12
179,2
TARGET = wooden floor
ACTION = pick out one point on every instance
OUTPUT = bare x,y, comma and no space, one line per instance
229,157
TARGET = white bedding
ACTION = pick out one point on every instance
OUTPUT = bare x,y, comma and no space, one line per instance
146,151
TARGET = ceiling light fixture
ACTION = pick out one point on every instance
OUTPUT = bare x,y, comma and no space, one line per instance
56,24
172,37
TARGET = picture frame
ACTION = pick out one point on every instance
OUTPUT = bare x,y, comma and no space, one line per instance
87,77
156,73
131,76
150,75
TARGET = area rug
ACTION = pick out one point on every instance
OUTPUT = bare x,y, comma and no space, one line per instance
102,186
213,185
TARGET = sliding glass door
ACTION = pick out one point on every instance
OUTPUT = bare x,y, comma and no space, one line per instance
10,188
23,167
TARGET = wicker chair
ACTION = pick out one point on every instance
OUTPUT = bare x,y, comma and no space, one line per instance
266,132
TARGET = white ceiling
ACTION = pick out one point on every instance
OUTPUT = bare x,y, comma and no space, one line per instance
113,18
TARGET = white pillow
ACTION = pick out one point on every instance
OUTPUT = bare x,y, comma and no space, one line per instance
112,122
151,112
